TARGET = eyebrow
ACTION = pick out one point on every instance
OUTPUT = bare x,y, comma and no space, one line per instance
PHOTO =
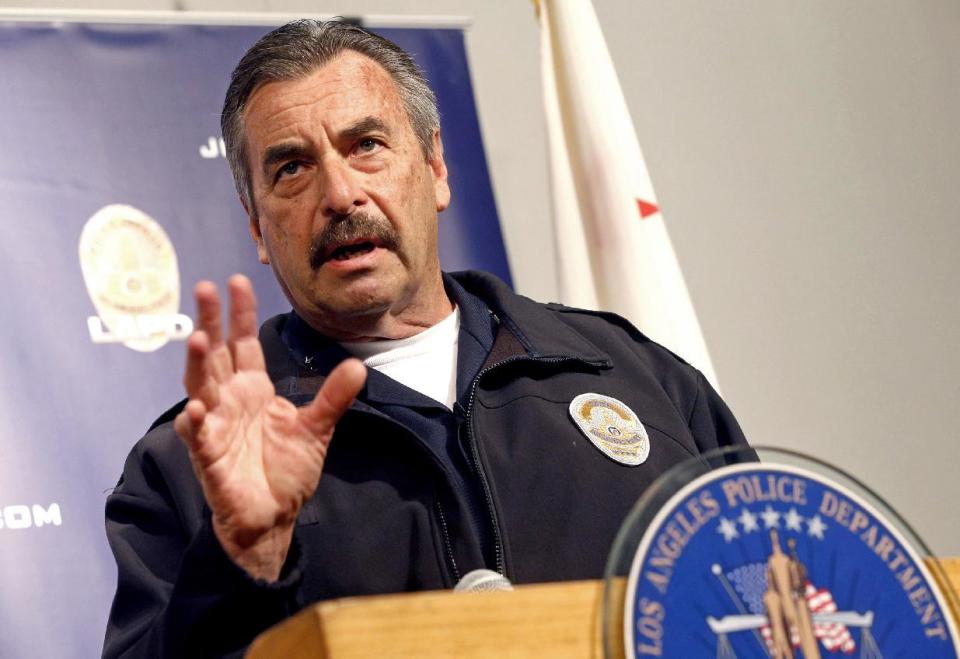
365,126
284,151
281,152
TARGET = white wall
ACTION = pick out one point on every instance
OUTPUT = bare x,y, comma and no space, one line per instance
806,158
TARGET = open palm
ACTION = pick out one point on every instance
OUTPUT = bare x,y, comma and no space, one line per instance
257,456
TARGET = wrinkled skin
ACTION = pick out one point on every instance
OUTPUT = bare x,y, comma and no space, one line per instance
341,143
322,148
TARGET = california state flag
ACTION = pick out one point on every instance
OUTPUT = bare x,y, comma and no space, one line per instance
613,251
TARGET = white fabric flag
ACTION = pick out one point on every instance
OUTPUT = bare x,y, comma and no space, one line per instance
613,251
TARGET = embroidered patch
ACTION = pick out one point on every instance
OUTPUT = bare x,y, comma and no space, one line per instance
612,427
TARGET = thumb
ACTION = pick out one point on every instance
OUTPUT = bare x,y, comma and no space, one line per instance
335,396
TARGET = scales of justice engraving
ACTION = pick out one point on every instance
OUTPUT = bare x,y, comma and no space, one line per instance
795,615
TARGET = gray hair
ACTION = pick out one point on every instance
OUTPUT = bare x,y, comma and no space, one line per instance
298,48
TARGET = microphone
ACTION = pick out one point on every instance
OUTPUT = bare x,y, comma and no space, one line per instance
481,581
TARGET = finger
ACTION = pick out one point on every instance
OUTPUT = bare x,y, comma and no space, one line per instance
202,443
244,345
243,308
195,373
335,396
197,380
219,364
187,424
208,310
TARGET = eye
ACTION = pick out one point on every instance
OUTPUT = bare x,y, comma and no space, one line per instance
367,146
289,169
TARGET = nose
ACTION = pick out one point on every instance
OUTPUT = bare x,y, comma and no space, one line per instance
341,190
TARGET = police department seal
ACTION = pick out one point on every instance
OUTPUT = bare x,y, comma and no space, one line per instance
130,270
763,560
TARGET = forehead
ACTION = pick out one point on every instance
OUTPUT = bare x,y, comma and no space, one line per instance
348,87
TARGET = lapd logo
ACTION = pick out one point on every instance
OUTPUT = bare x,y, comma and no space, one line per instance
775,561
130,270
612,427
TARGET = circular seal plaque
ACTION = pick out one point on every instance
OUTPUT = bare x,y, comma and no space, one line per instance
130,269
776,560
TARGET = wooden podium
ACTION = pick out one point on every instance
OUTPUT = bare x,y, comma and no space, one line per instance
537,621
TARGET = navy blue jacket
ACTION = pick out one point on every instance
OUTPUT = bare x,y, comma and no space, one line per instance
385,517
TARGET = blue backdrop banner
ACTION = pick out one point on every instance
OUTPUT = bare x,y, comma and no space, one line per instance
116,198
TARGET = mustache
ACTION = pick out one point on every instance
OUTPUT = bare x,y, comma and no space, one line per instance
343,229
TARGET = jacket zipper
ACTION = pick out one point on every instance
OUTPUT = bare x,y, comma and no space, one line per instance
446,542
474,450
475,453
448,545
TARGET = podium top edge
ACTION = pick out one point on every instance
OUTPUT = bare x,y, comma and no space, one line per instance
167,17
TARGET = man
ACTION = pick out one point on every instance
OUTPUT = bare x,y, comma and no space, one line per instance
293,473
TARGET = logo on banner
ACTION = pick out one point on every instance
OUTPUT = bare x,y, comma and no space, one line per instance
25,517
777,561
130,270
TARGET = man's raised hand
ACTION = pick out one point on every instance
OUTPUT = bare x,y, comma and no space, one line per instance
258,457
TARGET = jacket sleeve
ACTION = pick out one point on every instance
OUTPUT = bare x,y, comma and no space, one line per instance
711,421
178,593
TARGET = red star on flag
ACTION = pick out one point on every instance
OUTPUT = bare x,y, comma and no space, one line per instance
646,208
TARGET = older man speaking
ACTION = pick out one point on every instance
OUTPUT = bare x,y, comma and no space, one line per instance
401,426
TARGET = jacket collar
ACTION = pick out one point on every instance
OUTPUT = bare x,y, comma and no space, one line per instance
291,347
536,326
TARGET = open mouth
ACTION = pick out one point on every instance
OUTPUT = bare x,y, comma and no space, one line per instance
358,237
347,252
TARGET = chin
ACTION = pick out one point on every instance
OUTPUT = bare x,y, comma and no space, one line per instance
358,300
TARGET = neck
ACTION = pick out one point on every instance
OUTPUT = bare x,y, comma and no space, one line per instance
400,321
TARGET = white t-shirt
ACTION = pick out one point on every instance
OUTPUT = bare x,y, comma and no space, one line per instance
425,362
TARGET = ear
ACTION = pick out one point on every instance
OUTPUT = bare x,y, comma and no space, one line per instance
256,234
439,169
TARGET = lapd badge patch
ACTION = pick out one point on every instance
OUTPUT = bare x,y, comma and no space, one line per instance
765,560
130,269
612,427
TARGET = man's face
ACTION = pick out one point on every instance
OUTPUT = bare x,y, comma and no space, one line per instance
346,201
